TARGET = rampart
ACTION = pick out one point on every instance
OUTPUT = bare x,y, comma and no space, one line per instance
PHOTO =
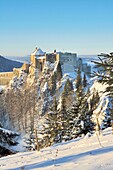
6,77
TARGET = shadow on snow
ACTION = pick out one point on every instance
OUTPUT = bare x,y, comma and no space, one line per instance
65,159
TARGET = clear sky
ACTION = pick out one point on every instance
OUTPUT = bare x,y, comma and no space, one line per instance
82,26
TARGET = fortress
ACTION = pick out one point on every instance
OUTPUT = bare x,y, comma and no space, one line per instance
68,61
38,59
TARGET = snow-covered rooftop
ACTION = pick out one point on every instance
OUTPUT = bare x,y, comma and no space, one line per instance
40,57
38,52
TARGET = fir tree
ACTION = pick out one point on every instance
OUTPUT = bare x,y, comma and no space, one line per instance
73,111
84,81
51,127
53,84
105,76
64,120
78,79
59,72
68,88
106,67
85,116
69,85
7,139
63,102
68,92
94,100
64,93
80,116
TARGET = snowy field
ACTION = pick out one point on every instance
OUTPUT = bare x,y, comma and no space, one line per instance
80,154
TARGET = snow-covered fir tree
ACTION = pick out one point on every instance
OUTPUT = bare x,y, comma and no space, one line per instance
59,72
64,120
78,79
67,92
84,81
51,131
105,76
7,139
53,83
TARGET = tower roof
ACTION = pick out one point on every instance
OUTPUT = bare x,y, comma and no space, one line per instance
38,52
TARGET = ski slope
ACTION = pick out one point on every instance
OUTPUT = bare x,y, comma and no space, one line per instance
79,154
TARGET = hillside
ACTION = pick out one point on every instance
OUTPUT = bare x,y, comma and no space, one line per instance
38,99
82,153
8,65
19,59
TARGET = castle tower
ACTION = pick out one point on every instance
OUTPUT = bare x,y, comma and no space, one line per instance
36,55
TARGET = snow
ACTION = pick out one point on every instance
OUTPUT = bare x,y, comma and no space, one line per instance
50,66
71,76
85,153
1,89
67,68
17,82
45,87
42,57
89,59
55,68
8,131
38,52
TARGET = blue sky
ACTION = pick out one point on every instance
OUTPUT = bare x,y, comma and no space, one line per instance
82,26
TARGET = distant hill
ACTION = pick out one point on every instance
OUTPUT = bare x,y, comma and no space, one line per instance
7,65
23,59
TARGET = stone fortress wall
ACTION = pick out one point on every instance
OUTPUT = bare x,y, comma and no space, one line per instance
6,77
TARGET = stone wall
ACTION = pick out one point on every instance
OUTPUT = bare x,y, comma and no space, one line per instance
40,64
25,67
51,57
6,74
33,61
68,58
6,77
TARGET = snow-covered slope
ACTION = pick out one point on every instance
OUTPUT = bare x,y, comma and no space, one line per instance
85,153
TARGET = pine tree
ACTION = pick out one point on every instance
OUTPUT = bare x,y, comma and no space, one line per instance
80,116
106,66
64,93
7,139
64,120
73,111
85,116
105,76
93,103
59,72
84,81
53,84
78,79
82,101
51,126
68,88
69,85
68,93
94,100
